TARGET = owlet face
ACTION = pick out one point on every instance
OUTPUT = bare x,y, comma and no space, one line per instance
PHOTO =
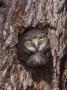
35,41
32,47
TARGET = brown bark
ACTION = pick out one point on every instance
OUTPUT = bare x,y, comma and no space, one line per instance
16,19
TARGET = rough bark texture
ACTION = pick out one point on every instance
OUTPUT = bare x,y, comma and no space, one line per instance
15,17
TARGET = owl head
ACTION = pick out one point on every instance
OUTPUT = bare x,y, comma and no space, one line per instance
35,40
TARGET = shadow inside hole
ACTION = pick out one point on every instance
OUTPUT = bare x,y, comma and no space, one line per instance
43,73
38,73
63,67
2,4
66,85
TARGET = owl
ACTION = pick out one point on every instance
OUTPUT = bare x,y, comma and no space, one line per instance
33,48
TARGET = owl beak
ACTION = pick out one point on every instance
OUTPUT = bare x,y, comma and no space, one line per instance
36,42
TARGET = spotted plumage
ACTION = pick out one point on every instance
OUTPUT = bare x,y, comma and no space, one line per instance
33,48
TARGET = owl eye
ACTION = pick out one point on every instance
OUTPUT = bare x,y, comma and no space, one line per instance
41,37
29,40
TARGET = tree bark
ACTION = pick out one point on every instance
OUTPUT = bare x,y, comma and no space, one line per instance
17,16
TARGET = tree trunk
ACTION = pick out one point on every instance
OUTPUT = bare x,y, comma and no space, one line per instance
16,17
